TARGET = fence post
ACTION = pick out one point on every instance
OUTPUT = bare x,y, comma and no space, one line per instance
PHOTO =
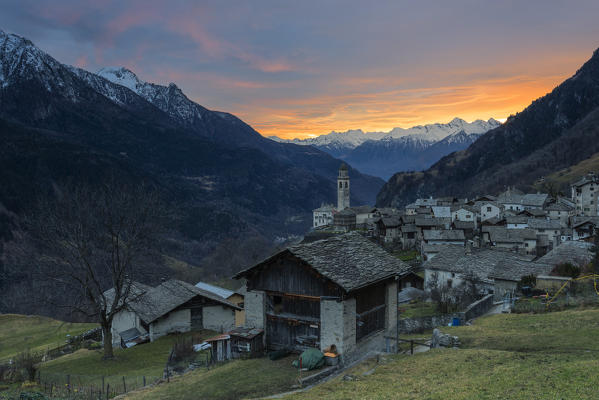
102,391
124,385
412,347
144,380
69,384
51,384
107,390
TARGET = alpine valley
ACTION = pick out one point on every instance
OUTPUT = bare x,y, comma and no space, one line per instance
229,185
385,153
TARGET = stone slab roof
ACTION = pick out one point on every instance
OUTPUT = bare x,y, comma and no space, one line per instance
427,221
363,209
463,225
479,261
517,219
390,222
558,206
535,199
350,260
536,223
501,234
157,301
535,212
585,180
441,211
325,208
407,228
514,269
574,252
444,235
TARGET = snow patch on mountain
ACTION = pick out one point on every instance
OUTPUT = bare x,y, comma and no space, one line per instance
426,133
19,58
169,99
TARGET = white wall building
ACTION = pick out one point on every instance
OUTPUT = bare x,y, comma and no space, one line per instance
322,216
584,195
173,306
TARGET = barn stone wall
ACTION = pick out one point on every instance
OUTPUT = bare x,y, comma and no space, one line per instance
338,324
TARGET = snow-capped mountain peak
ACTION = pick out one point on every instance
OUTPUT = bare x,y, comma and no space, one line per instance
121,76
428,133
20,58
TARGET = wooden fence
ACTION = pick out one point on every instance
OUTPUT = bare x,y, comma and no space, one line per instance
91,386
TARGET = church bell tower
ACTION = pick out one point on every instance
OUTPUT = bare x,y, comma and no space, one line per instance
343,188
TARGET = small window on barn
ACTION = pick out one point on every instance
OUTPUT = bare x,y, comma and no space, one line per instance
453,274
346,185
488,208
277,303
340,185
449,283
526,244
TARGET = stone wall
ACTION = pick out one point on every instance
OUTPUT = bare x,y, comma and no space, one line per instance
122,321
218,318
477,308
418,325
338,324
255,311
176,321
391,305
474,310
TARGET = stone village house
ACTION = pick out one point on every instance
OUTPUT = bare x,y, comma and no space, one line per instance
338,291
173,306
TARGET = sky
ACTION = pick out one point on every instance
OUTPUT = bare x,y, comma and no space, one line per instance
304,68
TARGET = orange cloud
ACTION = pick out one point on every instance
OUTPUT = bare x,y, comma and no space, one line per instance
384,110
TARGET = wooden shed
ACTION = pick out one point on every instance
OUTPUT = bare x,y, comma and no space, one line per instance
221,347
247,342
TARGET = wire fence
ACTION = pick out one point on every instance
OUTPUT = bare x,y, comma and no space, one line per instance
91,386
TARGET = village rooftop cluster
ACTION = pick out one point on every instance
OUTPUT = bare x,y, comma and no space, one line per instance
340,289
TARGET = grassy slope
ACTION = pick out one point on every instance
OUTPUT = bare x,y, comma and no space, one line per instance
563,178
418,310
232,380
549,356
87,366
22,332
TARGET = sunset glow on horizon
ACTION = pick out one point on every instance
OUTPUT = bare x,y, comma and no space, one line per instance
302,69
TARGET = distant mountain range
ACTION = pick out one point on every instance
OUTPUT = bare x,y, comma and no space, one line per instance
385,153
556,131
59,123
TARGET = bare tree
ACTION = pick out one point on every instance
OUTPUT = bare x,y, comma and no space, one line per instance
96,238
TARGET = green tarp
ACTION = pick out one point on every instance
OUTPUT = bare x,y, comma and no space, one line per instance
311,359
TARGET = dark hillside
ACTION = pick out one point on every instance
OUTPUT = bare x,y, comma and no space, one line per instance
555,131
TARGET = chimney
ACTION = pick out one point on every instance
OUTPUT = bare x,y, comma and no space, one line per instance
468,249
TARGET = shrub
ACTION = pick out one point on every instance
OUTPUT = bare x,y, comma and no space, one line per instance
28,363
182,350
566,269
528,280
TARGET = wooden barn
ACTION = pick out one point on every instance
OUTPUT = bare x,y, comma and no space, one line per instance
337,291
